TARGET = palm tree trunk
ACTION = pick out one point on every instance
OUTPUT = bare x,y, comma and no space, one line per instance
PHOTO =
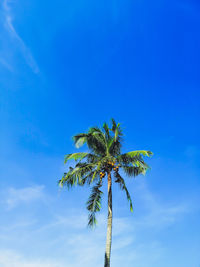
109,224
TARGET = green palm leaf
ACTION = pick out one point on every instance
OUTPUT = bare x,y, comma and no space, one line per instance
122,186
80,139
107,131
137,153
75,156
94,203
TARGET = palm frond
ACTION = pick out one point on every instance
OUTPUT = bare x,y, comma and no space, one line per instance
139,162
96,141
114,125
80,139
132,166
75,156
117,127
114,145
137,153
129,170
115,148
124,159
68,180
94,203
135,158
134,171
96,172
76,176
98,134
107,131
92,158
122,186
90,171
116,134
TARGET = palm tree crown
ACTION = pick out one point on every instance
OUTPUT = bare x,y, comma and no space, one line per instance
104,157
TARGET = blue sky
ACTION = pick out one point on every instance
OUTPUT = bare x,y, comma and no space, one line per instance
69,65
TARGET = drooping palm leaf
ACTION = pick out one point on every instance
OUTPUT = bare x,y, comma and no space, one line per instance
122,186
133,171
76,175
94,203
69,180
134,158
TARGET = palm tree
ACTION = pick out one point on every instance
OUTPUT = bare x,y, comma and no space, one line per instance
104,158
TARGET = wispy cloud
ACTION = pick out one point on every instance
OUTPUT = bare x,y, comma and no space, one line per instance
10,258
4,63
160,214
23,195
62,239
8,25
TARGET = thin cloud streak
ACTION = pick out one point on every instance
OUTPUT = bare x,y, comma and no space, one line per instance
19,42
5,64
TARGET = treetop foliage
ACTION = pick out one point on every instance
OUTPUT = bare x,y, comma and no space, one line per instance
104,157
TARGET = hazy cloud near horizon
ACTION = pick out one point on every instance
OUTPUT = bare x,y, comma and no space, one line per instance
65,237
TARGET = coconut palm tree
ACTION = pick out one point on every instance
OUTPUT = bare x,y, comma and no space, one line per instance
103,159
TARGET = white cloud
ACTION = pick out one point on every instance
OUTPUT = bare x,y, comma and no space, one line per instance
8,24
23,195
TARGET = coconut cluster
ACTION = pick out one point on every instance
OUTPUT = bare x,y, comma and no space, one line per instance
113,166
102,174
116,168
110,166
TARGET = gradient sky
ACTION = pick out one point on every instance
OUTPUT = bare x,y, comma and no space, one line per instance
68,65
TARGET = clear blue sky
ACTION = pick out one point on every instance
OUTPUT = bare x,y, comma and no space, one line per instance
69,65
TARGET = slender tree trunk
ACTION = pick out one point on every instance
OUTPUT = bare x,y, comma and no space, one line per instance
109,224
